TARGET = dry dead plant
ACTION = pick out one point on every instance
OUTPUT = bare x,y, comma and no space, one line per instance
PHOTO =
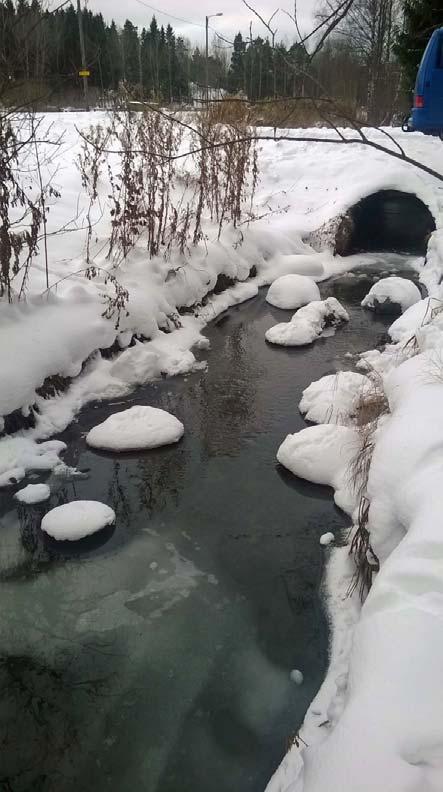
371,406
149,199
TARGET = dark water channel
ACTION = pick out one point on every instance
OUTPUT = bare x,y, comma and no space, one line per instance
156,656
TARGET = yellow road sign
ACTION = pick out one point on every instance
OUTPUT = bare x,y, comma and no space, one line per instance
84,73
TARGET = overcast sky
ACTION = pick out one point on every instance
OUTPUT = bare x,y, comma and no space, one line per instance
235,15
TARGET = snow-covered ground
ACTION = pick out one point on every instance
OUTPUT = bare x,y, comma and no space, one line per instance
376,722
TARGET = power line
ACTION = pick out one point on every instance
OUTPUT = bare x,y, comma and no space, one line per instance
180,19
165,13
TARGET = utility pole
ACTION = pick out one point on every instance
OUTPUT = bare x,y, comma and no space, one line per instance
83,54
207,54
140,68
207,65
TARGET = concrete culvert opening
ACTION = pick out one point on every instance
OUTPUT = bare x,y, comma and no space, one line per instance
388,220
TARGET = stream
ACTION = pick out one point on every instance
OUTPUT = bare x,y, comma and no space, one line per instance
156,655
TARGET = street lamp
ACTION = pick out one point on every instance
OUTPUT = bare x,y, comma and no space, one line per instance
220,13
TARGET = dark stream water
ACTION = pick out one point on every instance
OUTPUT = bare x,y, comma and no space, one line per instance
156,655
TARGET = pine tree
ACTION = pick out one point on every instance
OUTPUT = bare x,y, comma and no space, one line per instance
237,69
421,18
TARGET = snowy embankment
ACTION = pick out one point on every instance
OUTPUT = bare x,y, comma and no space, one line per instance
302,186
377,723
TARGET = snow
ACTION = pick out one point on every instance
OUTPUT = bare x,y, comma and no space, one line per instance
33,493
139,427
296,676
324,455
327,538
308,323
334,398
375,723
390,293
292,291
303,186
415,317
19,454
376,710
75,520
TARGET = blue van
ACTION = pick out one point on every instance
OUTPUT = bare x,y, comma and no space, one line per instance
427,113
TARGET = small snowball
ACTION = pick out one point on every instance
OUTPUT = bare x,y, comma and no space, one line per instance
296,676
33,493
77,519
327,538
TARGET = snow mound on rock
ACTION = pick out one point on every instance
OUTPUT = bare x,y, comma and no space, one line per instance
333,399
324,455
75,520
308,323
140,427
388,293
33,493
292,291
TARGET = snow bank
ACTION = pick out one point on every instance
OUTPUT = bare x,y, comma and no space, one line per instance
48,336
75,520
139,427
292,291
392,294
414,318
308,323
333,398
20,454
33,493
390,721
381,724
324,454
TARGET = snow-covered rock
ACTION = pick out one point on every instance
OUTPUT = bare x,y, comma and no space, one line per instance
392,295
33,493
333,398
292,292
324,455
308,323
75,520
140,427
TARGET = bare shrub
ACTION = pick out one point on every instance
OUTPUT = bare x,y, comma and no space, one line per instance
228,170
22,216
145,201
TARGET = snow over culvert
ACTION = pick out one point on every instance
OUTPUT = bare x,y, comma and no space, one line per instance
308,323
33,493
75,520
137,428
392,294
292,291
